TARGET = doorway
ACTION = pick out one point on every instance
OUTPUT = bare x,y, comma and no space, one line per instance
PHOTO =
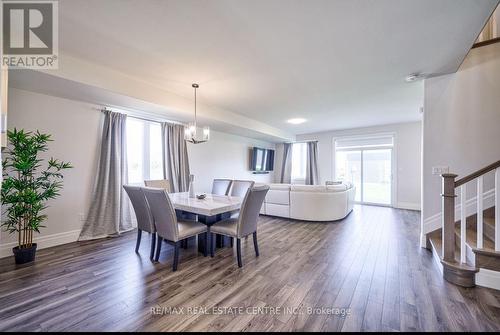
367,162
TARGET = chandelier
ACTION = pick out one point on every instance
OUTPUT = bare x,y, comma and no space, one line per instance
191,129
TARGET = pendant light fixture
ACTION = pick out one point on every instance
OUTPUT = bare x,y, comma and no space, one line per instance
190,130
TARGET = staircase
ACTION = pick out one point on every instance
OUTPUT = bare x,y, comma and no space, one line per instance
491,31
471,243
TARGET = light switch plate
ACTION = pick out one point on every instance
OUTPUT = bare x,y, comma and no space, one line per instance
439,170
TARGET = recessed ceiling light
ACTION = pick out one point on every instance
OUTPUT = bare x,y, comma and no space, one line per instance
296,121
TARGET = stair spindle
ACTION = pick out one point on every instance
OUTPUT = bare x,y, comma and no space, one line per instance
497,209
480,212
463,223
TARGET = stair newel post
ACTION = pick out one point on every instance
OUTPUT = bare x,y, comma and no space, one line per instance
448,225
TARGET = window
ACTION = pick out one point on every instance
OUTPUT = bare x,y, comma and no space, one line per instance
367,163
299,158
144,151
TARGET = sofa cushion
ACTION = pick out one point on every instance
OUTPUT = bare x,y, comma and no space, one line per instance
278,210
280,197
337,188
282,187
319,188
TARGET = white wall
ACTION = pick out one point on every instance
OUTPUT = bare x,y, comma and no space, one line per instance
407,154
76,128
461,125
224,156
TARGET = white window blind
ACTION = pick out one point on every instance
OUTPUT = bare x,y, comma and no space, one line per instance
350,143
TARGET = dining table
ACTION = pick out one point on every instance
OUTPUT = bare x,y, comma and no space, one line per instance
208,211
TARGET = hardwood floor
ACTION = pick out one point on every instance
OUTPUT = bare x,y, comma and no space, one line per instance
369,266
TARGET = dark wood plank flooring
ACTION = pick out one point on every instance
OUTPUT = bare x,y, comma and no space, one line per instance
369,266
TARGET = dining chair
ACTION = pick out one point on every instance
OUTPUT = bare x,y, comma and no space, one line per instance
165,184
144,219
168,227
239,187
245,224
221,186
159,183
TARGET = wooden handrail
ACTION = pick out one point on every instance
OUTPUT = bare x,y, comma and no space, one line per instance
487,42
476,174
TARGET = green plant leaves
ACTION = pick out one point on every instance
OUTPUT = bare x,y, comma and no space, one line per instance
26,186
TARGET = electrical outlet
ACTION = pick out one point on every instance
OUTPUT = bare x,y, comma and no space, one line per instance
439,170
81,216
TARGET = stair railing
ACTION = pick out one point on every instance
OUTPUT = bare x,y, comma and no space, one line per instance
448,207
491,30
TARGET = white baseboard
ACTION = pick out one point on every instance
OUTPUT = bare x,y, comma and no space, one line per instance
408,205
488,278
434,222
43,241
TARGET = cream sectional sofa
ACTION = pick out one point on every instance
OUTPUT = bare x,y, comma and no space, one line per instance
309,202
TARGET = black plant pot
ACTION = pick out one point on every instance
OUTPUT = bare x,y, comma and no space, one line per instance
24,255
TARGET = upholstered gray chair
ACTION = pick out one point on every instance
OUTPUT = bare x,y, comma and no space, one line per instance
168,228
165,184
221,186
160,183
239,187
144,219
245,224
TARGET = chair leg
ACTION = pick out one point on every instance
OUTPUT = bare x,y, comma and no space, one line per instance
212,245
238,252
158,248
255,245
231,241
176,256
138,243
153,244
185,243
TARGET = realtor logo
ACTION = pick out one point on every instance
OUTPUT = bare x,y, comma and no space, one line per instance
29,34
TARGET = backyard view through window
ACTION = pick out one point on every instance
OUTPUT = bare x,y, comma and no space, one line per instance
144,151
299,158
367,163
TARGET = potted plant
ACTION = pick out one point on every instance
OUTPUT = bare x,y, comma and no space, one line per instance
27,187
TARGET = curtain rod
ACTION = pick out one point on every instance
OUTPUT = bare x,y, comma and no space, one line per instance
135,116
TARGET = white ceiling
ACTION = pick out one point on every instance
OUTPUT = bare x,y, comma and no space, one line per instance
337,63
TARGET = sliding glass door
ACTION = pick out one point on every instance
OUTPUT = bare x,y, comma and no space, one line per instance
377,175
367,163
348,164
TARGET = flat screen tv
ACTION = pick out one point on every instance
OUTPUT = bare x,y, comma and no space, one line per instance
262,160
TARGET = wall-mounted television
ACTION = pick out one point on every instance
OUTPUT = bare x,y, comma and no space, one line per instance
262,160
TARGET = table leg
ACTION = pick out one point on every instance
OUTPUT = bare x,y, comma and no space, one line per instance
220,240
207,220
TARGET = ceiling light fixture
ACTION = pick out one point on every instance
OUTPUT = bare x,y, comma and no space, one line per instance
190,130
296,121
